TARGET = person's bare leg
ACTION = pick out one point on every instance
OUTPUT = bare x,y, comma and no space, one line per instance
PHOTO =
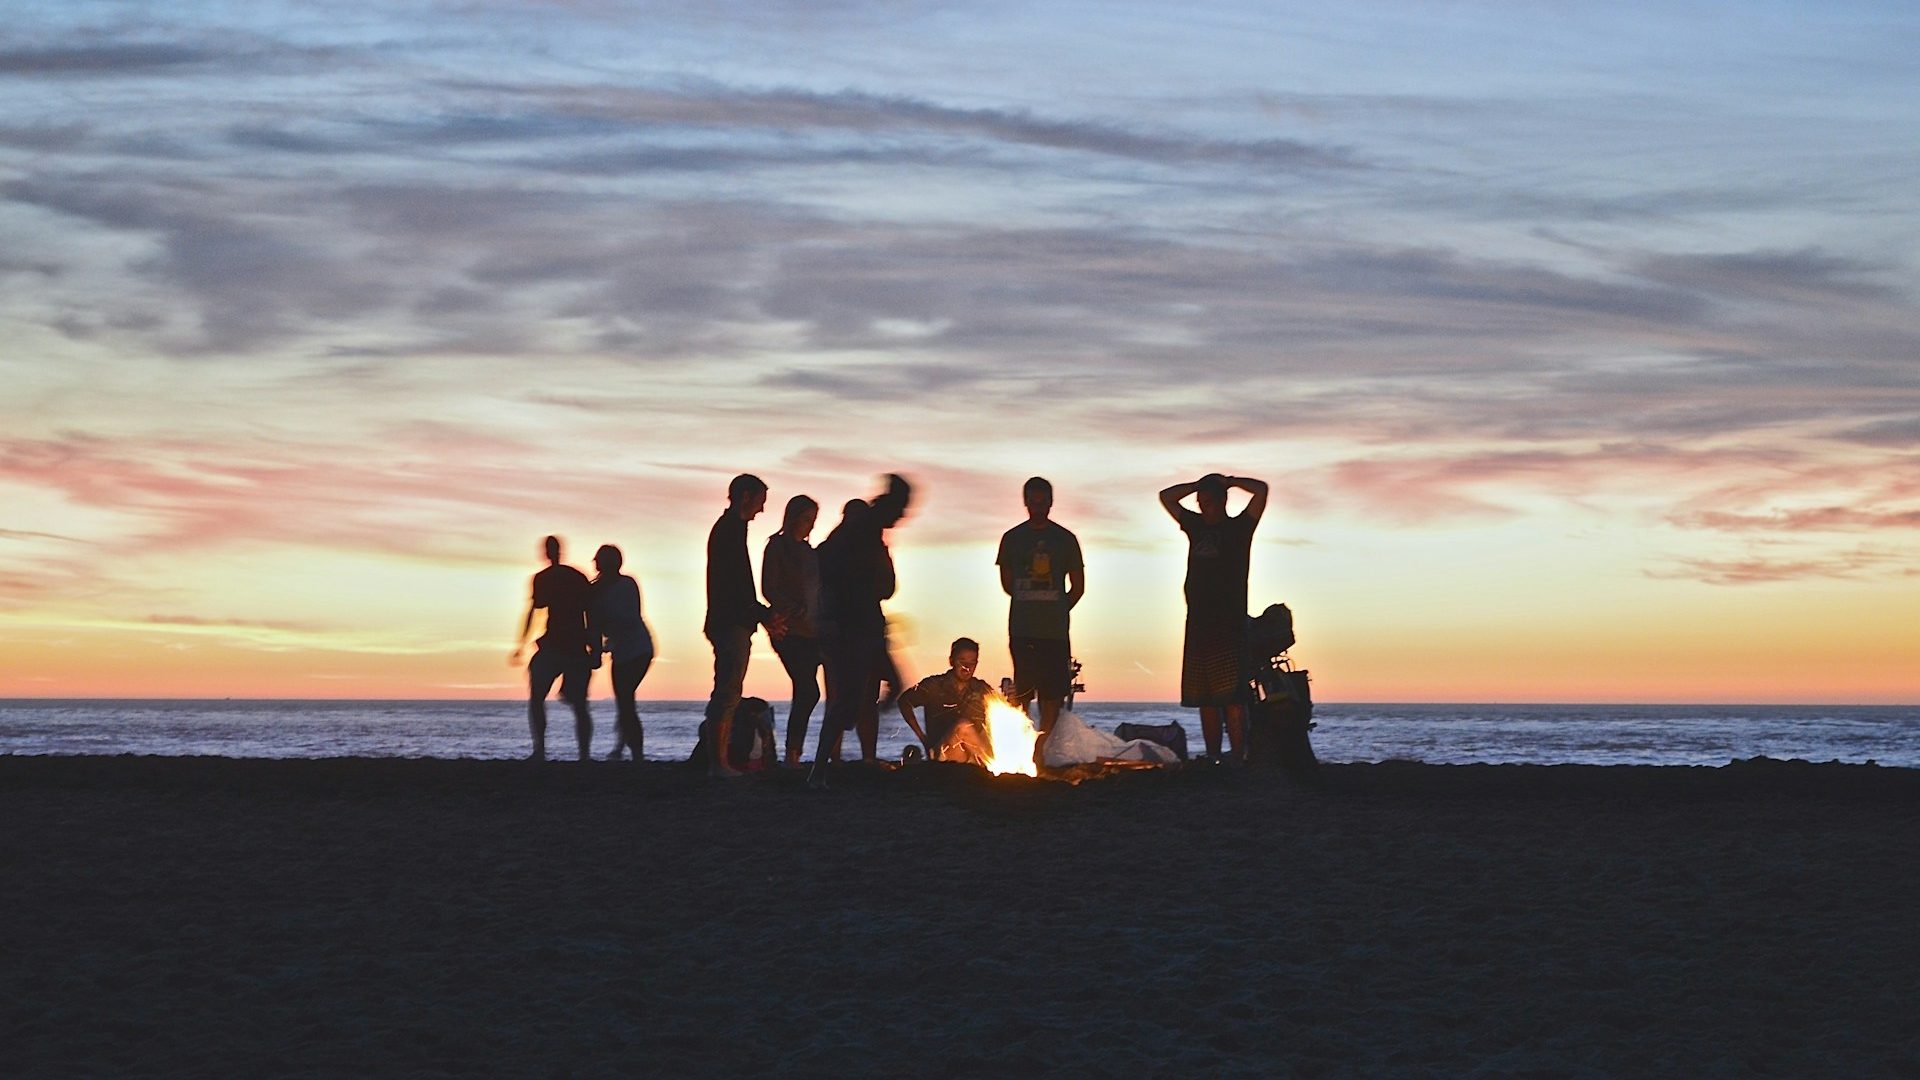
722,740
1237,730
537,725
583,727
1049,715
539,682
1210,730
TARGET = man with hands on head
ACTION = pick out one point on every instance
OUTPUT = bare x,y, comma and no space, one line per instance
1213,661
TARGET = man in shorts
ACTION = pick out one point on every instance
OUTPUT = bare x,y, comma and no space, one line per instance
566,652
1041,570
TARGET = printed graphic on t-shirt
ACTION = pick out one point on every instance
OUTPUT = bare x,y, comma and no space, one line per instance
1039,584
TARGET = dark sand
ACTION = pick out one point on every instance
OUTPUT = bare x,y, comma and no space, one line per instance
242,918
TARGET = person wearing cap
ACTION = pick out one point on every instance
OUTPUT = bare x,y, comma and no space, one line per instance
1213,665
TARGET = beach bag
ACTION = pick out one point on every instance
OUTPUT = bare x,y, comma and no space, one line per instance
1270,633
1172,736
752,738
1278,727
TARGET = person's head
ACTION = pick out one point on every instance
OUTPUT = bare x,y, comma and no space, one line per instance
891,504
964,656
1212,496
747,495
801,513
551,546
607,560
1037,493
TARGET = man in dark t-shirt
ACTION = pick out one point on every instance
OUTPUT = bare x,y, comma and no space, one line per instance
955,707
567,651
734,611
1041,570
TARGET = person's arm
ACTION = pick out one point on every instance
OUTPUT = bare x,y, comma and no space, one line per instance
906,713
596,634
908,701
526,630
1258,489
780,584
772,580
1076,574
526,624
888,582
1006,568
1170,498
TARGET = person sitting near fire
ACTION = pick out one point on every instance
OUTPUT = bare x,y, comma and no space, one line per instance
955,704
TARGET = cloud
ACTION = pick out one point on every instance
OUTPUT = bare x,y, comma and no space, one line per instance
1898,433
196,622
109,59
43,137
29,534
1816,519
1760,570
711,106
1805,275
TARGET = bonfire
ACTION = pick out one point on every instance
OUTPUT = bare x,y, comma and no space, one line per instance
1010,739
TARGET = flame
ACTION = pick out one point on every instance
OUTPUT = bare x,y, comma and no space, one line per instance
1011,736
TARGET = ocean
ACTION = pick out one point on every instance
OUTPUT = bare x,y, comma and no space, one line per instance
1436,734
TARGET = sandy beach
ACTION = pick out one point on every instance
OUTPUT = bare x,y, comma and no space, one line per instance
219,917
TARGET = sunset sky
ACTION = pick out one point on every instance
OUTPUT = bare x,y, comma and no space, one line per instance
1578,342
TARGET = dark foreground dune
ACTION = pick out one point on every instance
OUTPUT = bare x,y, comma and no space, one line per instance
241,918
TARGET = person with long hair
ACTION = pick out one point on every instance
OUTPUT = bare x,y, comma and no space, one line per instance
790,580
616,615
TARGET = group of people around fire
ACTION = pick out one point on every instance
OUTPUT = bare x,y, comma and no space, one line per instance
821,607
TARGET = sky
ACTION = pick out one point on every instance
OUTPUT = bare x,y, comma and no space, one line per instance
1578,342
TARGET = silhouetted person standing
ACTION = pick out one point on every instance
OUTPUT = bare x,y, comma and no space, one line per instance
566,651
1041,569
733,611
856,574
790,579
614,612
1213,663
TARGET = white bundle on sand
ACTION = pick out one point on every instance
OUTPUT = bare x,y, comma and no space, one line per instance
1074,743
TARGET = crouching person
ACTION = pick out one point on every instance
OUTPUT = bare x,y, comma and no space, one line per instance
955,708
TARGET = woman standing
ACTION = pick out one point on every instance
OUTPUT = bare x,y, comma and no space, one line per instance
615,611
1213,663
790,578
